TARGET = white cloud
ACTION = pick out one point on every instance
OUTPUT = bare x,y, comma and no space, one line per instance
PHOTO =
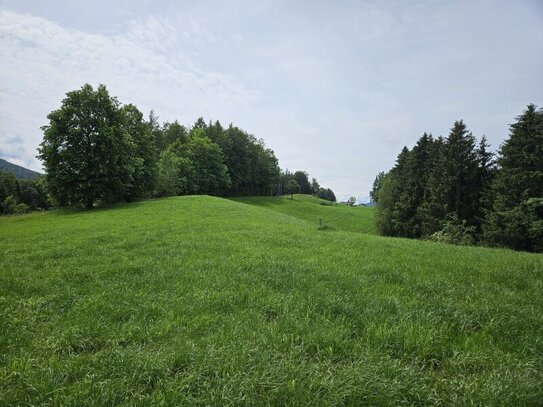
41,61
336,89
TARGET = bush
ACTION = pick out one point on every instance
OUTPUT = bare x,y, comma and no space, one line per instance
11,206
455,231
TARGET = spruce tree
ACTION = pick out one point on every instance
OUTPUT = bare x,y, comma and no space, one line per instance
390,219
434,208
486,172
516,219
418,169
462,173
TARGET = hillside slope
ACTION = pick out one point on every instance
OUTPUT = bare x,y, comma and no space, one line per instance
17,170
312,210
207,301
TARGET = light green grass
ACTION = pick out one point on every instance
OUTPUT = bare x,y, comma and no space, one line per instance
313,210
205,301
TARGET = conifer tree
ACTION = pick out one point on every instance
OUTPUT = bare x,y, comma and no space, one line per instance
434,208
462,173
390,219
516,219
374,193
486,172
418,169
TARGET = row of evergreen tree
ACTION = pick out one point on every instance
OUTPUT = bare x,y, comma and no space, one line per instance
97,151
455,189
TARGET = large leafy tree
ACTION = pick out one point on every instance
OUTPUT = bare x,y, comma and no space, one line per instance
157,132
302,179
516,219
293,188
210,173
327,194
87,153
315,186
174,132
169,182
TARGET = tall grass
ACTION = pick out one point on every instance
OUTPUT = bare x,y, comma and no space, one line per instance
204,301
319,212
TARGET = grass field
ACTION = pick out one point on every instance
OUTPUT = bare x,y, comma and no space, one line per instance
314,210
206,301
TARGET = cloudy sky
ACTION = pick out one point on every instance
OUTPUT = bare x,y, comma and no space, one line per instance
335,88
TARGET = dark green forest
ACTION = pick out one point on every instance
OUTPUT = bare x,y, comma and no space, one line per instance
454,189
97,151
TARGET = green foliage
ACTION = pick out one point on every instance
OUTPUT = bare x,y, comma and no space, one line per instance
453,190
302,179
174,132
33,194
8,185
87,153
157,132
10,206
520,227
387,196
374,193
253,168
96,151
327,194
210,174
25,195
515,218
455,231
169,182
144,160
204,301
435,178
293,188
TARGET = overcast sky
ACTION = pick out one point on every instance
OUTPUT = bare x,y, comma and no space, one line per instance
335,88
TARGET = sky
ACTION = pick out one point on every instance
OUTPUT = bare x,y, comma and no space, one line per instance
335,88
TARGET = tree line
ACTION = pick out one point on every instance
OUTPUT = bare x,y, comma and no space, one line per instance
302,185
98,151
455,189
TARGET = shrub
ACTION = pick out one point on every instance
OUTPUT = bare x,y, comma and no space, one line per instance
11,206
455,231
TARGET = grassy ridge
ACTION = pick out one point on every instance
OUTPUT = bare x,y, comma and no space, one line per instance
200,300
311,210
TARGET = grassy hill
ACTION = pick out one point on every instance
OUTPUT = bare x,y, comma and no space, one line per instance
311,209
17,170
207,301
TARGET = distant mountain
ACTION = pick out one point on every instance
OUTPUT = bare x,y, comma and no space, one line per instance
17,170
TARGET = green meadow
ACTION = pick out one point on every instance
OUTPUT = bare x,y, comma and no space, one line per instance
198,300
